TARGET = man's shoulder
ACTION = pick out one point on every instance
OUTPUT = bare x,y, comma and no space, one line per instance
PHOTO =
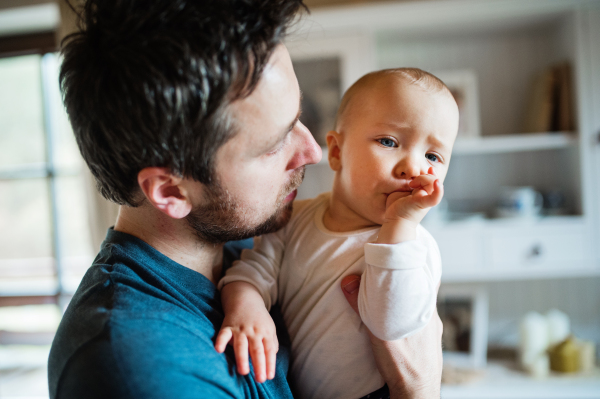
156,359
126,339
149,358
128,317
133,332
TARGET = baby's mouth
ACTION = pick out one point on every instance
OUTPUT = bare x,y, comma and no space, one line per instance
404,189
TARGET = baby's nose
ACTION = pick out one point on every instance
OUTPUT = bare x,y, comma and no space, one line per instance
407,169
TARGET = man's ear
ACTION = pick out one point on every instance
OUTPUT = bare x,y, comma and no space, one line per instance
165,191
334,145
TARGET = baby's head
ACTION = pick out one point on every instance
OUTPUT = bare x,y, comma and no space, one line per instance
391,126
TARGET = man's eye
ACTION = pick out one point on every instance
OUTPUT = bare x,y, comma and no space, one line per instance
275,151
432,157
387,142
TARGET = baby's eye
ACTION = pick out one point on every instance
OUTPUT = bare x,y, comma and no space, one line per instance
432,157
387,142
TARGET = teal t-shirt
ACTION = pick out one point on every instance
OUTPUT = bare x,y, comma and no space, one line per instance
143,326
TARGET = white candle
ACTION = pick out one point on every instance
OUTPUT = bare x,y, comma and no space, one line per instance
533,337
559,326
587,356
540,366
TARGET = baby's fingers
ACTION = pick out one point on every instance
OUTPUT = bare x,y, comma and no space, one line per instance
423,181
257,352
434,198
240,346
271,349
223,339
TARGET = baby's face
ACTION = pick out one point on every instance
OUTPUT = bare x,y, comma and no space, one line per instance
389,133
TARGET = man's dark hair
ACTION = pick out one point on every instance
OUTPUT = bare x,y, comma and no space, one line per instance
147,83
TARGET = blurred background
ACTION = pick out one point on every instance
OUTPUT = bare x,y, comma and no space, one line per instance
518,229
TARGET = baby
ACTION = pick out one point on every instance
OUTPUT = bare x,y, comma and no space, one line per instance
390,152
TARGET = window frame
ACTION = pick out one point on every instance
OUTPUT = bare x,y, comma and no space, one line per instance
43,44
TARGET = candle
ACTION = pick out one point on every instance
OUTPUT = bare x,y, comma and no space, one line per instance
533,338
559,326
587,356
540,366
564,357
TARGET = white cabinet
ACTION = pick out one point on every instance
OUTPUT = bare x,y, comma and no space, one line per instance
503,249
506,44
539,249
462,249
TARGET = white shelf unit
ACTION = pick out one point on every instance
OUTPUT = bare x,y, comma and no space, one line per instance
507,44
514,143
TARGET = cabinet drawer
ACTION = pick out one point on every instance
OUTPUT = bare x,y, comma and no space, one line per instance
559,250
460,252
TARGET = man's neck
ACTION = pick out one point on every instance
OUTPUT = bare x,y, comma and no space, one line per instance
173,238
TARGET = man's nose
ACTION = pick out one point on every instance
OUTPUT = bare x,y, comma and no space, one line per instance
307,151
407,168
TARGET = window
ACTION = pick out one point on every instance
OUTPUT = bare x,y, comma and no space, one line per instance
45,244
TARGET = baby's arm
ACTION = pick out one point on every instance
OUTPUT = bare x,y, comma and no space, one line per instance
397,295
247,291
398,290
249,324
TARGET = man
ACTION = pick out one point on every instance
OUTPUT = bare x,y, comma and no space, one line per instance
187,113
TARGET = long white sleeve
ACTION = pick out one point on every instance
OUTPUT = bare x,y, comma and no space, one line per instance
397,295
259,266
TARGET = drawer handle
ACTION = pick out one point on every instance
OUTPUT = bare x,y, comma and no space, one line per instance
536,251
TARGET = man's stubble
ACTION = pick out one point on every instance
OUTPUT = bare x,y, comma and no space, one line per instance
223,219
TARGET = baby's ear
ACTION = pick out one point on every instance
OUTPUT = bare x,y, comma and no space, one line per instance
334,144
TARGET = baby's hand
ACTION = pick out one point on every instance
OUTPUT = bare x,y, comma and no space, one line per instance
251,329
427,192
404,212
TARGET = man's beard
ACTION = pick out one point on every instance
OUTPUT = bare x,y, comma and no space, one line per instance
221,219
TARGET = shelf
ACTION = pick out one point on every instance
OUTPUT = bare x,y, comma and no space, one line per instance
503,380
450,276
514,143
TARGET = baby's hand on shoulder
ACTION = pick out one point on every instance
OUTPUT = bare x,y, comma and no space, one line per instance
251,330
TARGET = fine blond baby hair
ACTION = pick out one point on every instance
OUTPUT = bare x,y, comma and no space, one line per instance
414,76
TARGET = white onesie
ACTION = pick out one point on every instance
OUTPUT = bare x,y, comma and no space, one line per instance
301,267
